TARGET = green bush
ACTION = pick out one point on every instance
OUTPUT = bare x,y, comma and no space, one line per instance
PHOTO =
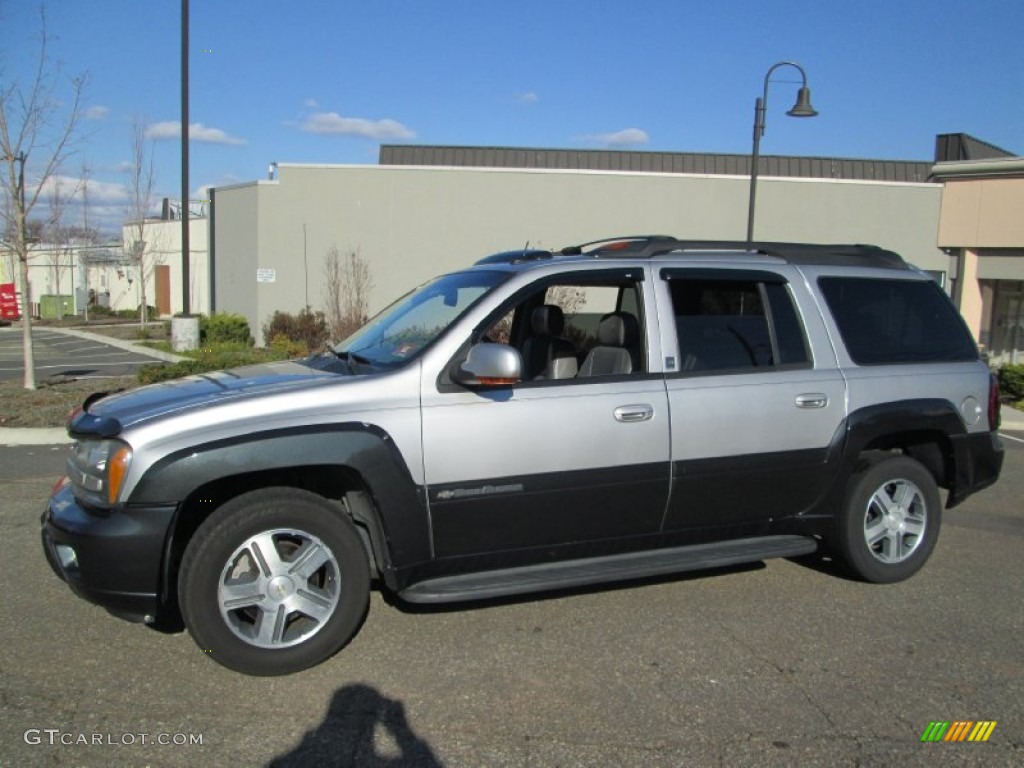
286,348
216,357
136,314
307,327
1011,381
224,327
149,374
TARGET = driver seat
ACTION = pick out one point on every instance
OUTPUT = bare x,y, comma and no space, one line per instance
546,355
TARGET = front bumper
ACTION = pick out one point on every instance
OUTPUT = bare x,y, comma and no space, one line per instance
117,554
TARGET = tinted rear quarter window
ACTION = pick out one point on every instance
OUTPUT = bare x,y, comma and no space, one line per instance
886,321
735,324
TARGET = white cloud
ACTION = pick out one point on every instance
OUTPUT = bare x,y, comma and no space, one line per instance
108,201
71,187
96,113
164,131
333,123
628,137
311,103
527,98
171,129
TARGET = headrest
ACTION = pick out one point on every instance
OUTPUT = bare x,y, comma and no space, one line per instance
618,329
547,320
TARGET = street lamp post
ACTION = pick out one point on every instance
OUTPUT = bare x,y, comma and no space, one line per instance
802,108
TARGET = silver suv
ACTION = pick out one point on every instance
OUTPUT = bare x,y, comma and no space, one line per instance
539,421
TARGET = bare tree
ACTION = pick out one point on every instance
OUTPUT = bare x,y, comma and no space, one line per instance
33,124
140,190
88,236
348,283
59,236
568,297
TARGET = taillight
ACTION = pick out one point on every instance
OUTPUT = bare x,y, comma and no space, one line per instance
994,417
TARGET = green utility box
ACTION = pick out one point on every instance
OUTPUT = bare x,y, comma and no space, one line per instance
51,303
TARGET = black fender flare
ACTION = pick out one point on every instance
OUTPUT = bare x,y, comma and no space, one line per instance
873,425
401,511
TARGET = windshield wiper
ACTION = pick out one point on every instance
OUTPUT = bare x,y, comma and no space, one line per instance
352,357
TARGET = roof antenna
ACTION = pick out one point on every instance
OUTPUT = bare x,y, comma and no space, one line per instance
526,248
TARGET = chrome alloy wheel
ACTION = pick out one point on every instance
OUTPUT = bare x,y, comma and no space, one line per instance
895,520
279,588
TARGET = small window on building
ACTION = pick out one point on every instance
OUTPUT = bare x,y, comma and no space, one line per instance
897,321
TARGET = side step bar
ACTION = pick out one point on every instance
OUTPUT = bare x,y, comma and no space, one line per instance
596,570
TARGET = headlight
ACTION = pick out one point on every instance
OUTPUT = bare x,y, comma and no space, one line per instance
98,469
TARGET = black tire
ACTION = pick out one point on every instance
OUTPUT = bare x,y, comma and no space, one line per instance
890,521
293,577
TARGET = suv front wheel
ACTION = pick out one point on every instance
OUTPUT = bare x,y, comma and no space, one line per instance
273,582
890,522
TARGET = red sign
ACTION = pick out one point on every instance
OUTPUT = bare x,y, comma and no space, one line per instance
8,302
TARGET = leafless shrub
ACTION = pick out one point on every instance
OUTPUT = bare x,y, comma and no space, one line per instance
348,281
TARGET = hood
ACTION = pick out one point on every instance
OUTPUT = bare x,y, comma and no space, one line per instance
105,415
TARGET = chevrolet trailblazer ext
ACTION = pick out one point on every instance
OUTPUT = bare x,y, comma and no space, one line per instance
538,421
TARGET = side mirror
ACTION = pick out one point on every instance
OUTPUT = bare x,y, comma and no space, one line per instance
491,365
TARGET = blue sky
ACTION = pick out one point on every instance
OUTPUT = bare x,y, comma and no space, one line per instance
329,81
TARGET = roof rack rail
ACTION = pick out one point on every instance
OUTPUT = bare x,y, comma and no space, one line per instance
793,253
653,246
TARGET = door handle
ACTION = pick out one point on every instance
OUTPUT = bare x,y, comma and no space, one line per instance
812,400
631,413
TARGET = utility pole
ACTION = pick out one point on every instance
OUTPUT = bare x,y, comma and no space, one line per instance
186,308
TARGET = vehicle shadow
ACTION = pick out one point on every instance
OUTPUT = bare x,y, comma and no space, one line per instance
359,721
825,563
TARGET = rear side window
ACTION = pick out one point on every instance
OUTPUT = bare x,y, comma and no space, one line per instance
735,324
897,321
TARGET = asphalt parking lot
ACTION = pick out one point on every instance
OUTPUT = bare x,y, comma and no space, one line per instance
780,664
66,352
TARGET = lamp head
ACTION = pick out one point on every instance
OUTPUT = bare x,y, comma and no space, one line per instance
803,107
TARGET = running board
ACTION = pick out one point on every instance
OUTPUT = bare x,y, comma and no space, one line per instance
596,570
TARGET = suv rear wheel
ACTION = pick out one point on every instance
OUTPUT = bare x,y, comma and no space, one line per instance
273,582
890,522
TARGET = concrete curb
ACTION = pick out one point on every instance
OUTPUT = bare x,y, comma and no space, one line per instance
45,436
128,346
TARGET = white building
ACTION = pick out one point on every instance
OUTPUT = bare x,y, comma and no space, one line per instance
106,274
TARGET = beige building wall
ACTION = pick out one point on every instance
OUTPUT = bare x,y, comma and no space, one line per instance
982,213
237,250
970,300
981,227
412,223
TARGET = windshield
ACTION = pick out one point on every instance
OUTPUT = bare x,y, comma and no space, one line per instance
415,320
